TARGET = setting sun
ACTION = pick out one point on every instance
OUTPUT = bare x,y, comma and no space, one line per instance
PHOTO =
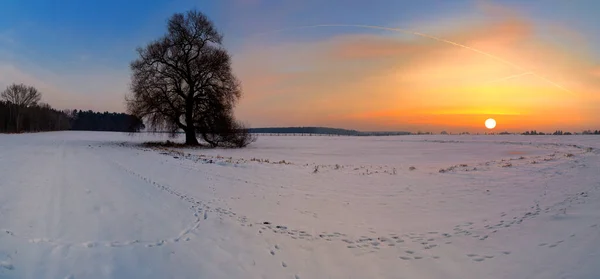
490,123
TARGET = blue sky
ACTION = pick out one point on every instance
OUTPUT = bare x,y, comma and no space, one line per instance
78,52
51,32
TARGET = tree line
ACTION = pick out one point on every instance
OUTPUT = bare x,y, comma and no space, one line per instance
560,133
21,111
104,121
304,130
33,118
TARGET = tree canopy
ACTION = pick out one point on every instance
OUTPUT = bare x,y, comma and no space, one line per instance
184,81
21,95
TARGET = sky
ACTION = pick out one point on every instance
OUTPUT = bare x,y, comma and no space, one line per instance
527,64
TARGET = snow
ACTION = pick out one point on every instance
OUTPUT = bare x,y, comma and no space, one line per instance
98,205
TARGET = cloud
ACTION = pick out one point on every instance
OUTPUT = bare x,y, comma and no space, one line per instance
398,81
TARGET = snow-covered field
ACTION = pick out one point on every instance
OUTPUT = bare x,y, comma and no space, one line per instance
98,205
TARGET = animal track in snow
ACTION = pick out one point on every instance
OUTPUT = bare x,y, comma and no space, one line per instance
427,240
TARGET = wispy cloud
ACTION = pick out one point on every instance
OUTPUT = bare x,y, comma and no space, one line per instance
500,67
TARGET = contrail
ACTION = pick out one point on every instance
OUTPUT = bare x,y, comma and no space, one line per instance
510,77
533,74
406,31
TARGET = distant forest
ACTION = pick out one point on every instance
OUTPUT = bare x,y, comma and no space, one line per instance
561,133
321,131
36,118
41,117
308,131
304,130
105,121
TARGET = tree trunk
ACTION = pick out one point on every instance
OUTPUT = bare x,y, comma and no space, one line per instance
190,136
18,122
190,132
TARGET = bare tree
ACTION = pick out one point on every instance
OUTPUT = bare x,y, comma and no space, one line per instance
184,81
21,96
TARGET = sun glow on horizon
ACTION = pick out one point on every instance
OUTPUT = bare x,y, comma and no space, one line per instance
391,82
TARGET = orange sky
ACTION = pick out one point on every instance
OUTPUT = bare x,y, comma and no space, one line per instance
393,81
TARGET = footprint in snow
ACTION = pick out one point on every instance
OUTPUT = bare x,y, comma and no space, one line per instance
160,243
430,246
405,258
6,265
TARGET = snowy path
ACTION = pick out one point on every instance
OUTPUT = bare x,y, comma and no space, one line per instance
87,205
67,210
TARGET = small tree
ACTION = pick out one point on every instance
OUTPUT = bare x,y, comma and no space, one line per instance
184,81
21,96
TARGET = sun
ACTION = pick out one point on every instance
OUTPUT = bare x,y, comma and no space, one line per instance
490,123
